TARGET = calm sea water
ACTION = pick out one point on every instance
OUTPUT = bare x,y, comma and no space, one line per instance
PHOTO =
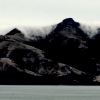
49,92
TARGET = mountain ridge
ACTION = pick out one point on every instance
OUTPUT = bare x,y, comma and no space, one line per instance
65,56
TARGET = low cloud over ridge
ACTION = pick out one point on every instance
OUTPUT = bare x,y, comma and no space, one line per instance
90,28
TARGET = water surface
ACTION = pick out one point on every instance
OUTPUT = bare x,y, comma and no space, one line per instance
49,92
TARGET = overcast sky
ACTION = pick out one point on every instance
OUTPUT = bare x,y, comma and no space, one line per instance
45,12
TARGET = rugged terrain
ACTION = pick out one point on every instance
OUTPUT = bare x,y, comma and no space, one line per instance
65,56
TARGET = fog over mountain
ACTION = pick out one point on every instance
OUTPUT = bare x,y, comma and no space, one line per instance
90,28
28,31
66,53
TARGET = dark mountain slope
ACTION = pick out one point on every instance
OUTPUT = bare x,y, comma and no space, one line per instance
21,63
67,44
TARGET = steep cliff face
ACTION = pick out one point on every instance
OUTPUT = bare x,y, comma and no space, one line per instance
65,56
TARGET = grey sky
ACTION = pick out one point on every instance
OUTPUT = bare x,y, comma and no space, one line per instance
45,12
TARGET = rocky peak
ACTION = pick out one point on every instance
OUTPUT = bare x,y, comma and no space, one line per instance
66,23
15,31
70,21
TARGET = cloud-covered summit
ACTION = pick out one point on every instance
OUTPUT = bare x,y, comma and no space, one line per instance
91,29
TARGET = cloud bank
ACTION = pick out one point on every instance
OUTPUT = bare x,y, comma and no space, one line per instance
90,28
28,31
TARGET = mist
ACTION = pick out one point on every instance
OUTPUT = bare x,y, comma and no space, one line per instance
28,31
32,32
90,28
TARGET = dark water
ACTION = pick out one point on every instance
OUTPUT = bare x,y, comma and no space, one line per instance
49,92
